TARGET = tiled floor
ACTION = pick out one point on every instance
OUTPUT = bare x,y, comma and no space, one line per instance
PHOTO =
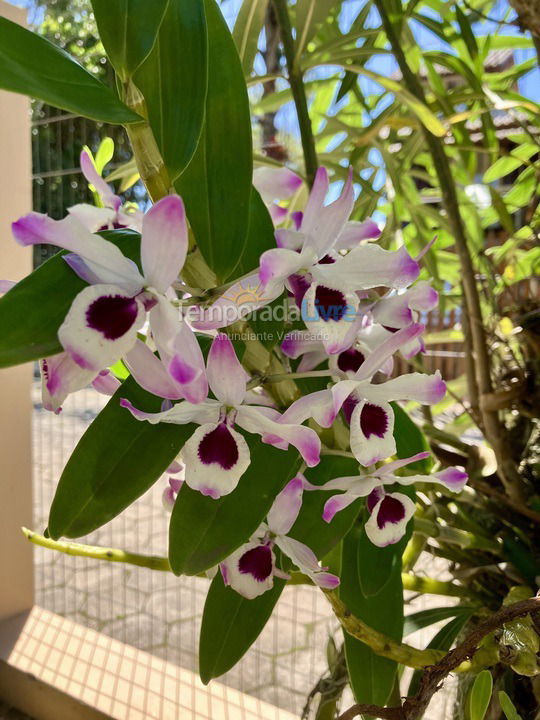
158,612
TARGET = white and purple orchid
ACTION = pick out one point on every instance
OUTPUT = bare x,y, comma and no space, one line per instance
389,511
104,319
251,569
216,456
310,262
366,404
112,215
275,184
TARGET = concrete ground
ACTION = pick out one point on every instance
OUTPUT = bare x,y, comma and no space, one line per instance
161,613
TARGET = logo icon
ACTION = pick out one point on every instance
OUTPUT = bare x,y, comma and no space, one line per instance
246,294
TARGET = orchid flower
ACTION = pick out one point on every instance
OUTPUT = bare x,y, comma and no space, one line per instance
251,569
309,263
102,323
367,405
60,376
389,512
276,183
112,215
216,456
174,485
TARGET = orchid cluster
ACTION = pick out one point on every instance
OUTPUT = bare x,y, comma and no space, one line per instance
361,304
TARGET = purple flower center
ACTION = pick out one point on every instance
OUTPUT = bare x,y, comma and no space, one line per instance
218,446
330,303
348,407
373,420
257,562
390,511
350,359
327,260
299,285
112,315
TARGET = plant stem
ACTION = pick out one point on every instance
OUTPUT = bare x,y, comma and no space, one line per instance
400,652
298,90
153,562
494,430
430,586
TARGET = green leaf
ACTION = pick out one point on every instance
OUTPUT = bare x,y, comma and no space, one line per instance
422,112
247,28
501,210
128,30
371,676
216,185
117,460
508,707
501,167
377,565
204,531
410,440
260,236
480,695
173,80
425,618
33,66
231,624
310,14
33,310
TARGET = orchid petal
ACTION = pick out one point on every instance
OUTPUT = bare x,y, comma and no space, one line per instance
150,372
60,376
6,285
305,440
332,315
226,376
315,202
104,191
275,183
388,521
369,266
285,508
325,226
425,389
250,569
216,457
93,218
385,351
186,366
101,326
180,414
164,242
102,257
372,432
106,383
422,297
355,232
336,504
277,264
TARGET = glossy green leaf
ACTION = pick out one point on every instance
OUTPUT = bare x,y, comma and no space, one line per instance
204,531
480,695
173,80
33,66
410,440
231,624
501,167
216,186
425,618
377,565
247,28
128,30
371,676
33,310
260,236
508,707
117,460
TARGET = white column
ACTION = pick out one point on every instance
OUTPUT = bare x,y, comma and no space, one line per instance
16,570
